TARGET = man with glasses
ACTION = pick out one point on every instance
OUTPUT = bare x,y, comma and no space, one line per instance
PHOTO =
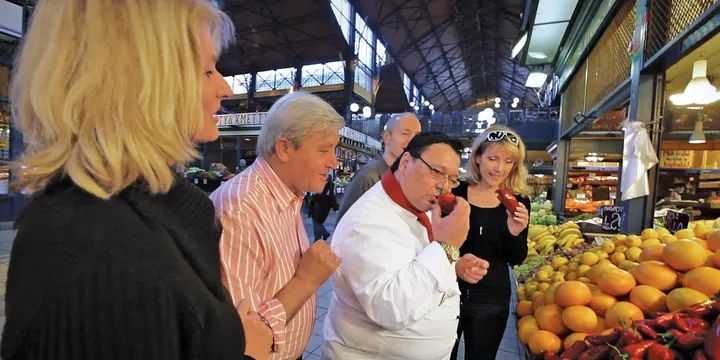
396,290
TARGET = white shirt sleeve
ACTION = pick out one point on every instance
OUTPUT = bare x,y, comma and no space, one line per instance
395,285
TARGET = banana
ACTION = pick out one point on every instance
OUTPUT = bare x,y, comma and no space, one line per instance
571,225
547,238
570,241
531,244
579,241
540,235
534,231
547,250
567,232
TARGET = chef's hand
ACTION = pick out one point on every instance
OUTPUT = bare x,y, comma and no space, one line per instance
471,268
519,221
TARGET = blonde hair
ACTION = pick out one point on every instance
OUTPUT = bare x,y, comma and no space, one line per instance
516,180
109,92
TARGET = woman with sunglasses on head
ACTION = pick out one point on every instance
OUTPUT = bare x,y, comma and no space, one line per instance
495,235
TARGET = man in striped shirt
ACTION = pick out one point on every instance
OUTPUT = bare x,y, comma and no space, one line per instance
265,250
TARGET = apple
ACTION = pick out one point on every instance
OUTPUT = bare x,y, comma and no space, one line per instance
507,199
447,202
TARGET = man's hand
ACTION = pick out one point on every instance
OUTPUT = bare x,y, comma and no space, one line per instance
452,229
258,335
471,268
317,264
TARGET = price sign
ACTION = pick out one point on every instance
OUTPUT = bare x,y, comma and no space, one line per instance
675,220
611,218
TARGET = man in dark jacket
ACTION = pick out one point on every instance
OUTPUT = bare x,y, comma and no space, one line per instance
320,206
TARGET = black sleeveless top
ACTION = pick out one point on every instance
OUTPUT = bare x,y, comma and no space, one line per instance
490,239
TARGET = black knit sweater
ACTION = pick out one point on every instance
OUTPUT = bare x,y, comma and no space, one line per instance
133,277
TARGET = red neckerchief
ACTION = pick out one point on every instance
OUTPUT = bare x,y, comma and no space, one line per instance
393,189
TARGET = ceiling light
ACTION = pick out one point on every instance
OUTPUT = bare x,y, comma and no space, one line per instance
497,99
416,108
519,43
698,90
467,149
246,139
536,79
514,105
431,107
491,120
367,111
537,55
354,107
489,112
482,116
516,100
427,103
497,105
412,104
698,136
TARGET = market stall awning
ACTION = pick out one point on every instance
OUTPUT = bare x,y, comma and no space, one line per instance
391,97
275,34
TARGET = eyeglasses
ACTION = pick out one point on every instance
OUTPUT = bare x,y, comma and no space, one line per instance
499,135
439,175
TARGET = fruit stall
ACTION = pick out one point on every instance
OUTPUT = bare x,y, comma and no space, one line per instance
650,296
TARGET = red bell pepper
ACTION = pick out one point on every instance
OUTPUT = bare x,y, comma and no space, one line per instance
574,351
690,341
712,342
660,352
596,353
597,340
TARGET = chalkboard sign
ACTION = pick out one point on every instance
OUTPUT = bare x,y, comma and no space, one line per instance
611,218
675,220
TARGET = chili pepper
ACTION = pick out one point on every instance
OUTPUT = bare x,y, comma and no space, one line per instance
660,352
690,324
646,331
699,354
596,353
699,310
670,335
664,321
690,341
639,349
597,340
574,351
712,342
629,336
551,356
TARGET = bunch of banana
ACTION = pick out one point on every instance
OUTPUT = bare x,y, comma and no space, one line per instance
569,236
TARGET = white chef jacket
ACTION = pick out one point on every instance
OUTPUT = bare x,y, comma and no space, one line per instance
389,287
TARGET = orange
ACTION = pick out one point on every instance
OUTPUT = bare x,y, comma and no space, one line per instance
627,265
600,326
597,269
549,317
668,239
633,253
713,240
651,242
700,242
622,310
617,258
682,298
579,319
616,282
633,241
649,234
607,331
524,308
550,294
657,275
544,341
702,231
652,253
572,293
716,259
684,255
527,328
601,302
703,279
684,234
648,299
538,300
573,338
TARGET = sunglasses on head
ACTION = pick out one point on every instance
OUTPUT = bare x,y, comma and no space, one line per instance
499,135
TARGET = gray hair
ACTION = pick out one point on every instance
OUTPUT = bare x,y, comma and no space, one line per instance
296,116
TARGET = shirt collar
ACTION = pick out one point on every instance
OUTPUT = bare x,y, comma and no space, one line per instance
282,194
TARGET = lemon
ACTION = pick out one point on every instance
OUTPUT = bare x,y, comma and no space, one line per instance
608,247
589,259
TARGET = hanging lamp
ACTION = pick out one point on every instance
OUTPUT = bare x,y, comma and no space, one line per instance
698,90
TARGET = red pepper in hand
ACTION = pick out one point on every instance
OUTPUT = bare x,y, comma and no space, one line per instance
507,199
597,340
690,341
574,351
447,202
639,349
596,353
699,354
660,352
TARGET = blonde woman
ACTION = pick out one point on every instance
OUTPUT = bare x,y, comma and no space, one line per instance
116,256
496,235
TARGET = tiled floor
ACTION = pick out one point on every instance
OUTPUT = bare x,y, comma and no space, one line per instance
510,348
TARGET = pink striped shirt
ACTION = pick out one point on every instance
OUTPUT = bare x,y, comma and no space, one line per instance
262,242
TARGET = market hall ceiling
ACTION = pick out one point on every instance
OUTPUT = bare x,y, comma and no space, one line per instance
457,51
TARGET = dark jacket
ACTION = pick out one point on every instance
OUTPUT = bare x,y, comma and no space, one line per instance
321,203
136,276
